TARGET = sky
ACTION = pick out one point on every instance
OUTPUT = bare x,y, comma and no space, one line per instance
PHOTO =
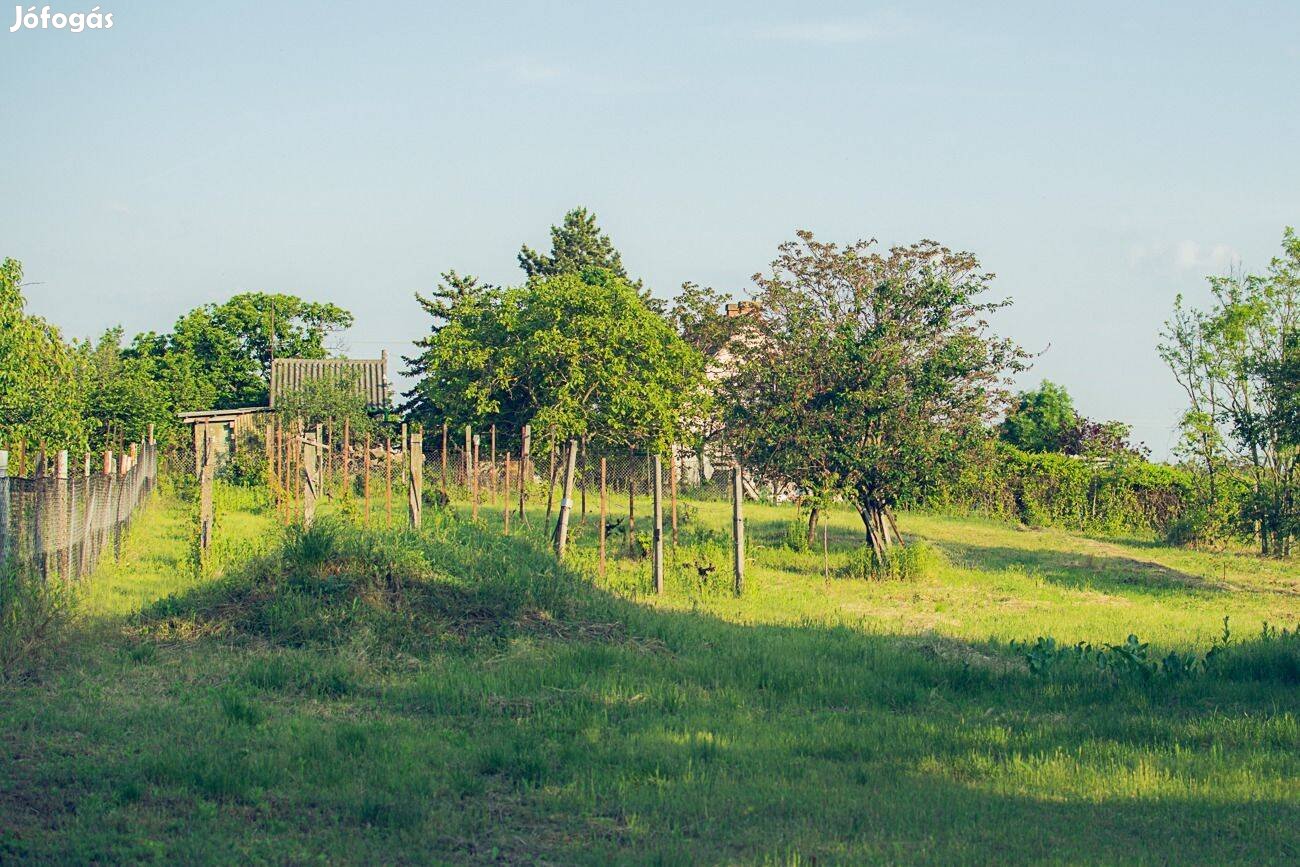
1099,157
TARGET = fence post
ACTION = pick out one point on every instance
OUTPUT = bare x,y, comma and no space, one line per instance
474,485
738,527
388,481
604,511
658,533
492,465
505,497
415,482
469,455
64,508
4,505
445,495
366,484
526,436
310,476
207,472
631,504
672,485
566,501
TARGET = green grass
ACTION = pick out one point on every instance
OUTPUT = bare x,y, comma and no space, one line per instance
455,696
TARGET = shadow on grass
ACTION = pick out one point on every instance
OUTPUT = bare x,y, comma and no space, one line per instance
1082,570
594,729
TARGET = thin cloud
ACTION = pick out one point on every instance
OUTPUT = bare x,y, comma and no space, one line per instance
1186,255
829,32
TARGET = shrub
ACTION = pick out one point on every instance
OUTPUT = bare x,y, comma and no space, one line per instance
33,612
796,535
911,562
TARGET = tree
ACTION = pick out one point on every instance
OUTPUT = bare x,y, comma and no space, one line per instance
218,356
576,245
122,397
1237,362
1041,419
41,399
699,315
449,300
866,373
572,355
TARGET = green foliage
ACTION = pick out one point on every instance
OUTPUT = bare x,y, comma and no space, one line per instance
1239,364
577,245
795,536
33,614
915,561
324,401
1040,420
571,355
41,399
1125,494
865,373
1274,657
219,355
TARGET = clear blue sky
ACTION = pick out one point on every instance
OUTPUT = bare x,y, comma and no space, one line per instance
1100,157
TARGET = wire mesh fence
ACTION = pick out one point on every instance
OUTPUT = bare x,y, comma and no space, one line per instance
61,523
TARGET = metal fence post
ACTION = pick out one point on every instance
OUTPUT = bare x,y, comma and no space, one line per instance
4,505
657,540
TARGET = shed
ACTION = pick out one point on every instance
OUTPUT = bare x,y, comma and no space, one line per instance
368,375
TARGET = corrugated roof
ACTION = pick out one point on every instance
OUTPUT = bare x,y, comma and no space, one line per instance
370,376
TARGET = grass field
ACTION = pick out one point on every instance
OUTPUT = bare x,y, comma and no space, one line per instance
454,696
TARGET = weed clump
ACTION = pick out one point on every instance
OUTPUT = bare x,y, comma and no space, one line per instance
914,561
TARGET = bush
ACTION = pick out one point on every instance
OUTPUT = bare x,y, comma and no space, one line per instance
796,535
33,612
911,562
1122,495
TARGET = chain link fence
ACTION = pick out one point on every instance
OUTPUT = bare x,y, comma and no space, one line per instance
62,523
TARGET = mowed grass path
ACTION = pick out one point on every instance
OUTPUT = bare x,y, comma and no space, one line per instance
830,720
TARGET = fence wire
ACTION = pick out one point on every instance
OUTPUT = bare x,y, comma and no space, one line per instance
62,526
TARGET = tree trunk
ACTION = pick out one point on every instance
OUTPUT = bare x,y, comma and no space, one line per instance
881,528
813,515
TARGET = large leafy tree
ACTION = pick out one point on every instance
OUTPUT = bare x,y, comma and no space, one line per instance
572,355
866,373
219,355
1041,419
122,395
1238,362
41,399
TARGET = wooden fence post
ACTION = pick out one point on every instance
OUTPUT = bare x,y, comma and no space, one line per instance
474,484
446,497
604,512
566,501
505,498
492,465
207,472
526,438
310,476
738,527
550,483
347,456
469,456
365,486
415,480
658,532
388,481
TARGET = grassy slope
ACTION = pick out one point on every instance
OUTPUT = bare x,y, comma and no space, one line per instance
841,720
